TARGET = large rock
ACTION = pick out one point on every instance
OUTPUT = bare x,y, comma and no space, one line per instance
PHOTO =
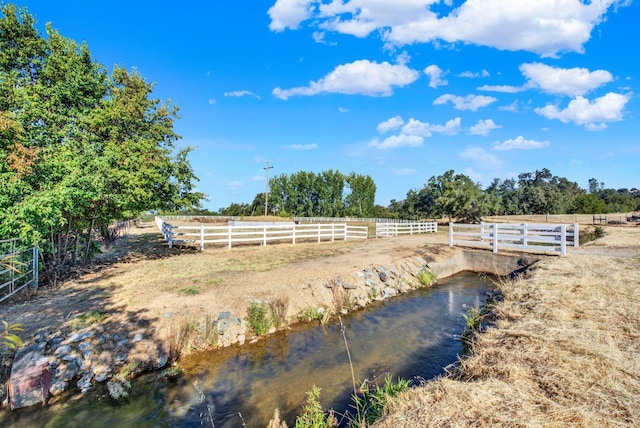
30,378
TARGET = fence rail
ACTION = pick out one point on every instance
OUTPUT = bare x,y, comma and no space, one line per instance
536,237
395,229
230,235
295,219
18,268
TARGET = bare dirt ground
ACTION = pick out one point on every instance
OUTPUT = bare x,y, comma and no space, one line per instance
140,281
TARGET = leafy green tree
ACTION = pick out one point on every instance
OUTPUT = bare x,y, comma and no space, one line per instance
588,203
80,148
360,199
457,196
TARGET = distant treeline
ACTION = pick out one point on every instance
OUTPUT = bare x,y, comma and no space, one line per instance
450,195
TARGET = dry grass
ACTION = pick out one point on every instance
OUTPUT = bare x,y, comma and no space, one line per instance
565,352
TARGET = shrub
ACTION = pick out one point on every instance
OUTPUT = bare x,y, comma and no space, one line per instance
259,317
279,307
426,277
312,414
309,314
370,403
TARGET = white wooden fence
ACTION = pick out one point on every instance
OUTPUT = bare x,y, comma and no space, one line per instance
536,237
230,235
18,267
395,229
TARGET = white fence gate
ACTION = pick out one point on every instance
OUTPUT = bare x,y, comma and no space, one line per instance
536,237
18,267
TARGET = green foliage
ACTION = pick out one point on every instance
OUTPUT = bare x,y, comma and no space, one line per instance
259,317
189,291
309,314
8,338
426,277
371,401
598,232
327,194
313,416
79,148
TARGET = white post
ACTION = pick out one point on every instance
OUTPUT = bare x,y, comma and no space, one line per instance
229,237
35,267
576,235
202,237
563,240
482,231
495,237
319,233
450,234
169,235
294,235
264,235
333,231
525,232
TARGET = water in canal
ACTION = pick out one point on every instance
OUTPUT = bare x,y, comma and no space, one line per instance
413,336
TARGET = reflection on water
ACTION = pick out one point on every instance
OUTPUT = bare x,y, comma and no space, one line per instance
412,336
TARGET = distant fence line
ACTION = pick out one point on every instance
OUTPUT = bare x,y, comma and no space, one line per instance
563,218
537,237
264,234
295,219
395,229
18,267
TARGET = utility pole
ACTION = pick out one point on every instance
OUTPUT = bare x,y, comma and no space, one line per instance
266,192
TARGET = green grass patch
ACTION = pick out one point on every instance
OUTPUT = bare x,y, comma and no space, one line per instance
88,318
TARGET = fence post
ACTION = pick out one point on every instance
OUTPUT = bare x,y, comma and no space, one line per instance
264,235
319,233
563,240
170,235
333,231
35,267
576,235
525,232
450,234
482,231
229,237
294,234
202,237
495,237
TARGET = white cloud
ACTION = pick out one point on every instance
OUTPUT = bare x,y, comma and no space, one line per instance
483,127
234,186
318,36
436,75
508,89
405,171
289,13
593,114
564,81
481,158
361,77
546,27
390,124
243,93
413,132
513,107
472,75
470,102
395,141
519,143
301,146
343,110
211,101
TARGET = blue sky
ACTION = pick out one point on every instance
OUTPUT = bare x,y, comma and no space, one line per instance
400,90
